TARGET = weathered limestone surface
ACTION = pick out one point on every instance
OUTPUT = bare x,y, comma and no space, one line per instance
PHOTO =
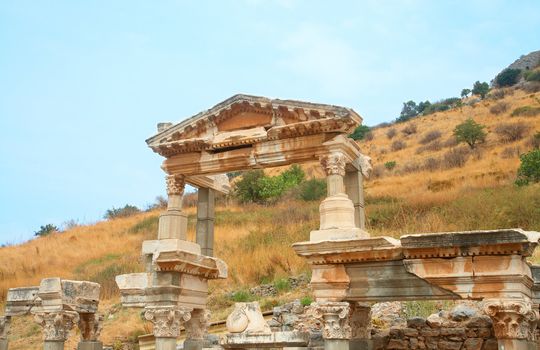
4,331
19,301
247,318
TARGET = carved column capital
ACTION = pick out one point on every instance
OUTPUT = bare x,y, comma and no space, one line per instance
5,322
197,326
90,326
334,163
175,184
512,319
56,325
167,320
335,319
360,320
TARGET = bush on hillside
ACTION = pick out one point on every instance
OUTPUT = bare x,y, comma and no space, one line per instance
312,190
46,230
369,136
432,164
360,132
455,157
510,132
443,105
390,165
432,147
391,133
499,108
409,110
409,130
529,169
480,89
127,210
532,75
470,132
531,87
507,77
465,92
534,142
526,111
398,145
430,136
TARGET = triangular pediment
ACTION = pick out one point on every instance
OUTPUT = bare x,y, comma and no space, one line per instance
245,119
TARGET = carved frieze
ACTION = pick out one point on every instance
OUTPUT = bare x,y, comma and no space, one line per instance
167,320
335,318
334,164
56,325
512,319
175,184
90,326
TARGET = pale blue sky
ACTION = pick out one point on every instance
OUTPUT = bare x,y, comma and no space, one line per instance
83,83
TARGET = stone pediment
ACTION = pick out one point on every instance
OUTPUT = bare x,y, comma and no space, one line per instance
243,120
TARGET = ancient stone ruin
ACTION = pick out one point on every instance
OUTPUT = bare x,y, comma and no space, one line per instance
350,269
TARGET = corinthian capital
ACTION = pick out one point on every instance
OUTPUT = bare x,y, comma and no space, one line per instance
56,325
90,326
512,319
167,320
4,326
197,326
335,319
175,184
334,163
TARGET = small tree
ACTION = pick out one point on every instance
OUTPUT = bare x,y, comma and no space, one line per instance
465,93
529,169
480,89
46,230
360,132
507,77
127,210
409,110
470,132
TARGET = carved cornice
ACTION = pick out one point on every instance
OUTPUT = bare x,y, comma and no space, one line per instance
197,326
334,163
5,322
90,326
167,320
512,319
175,184
335,318
56,325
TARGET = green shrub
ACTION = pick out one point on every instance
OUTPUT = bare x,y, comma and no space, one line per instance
312,190
390,165
242,296
282,285
306,301
529,169
360,132
146,225
532,75
46,230
526,111
470,132
507,77
127,210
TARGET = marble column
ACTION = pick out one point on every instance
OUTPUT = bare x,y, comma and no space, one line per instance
90,326
335,317
167,321
5,322
205,220
514,323
56,327
360,322
173,222
196,329
354,187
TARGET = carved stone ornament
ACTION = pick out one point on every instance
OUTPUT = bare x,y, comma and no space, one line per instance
197,326
90,326
334,164
360,320
335,319
175,184
512,319
56,325
167,320
4,326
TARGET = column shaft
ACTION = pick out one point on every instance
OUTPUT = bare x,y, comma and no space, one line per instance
53,345
165,343
205,220
354,187
3,344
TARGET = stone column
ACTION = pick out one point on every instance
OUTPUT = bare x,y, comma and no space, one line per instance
56,327
354,187
167,321
196,329
337,210
90,326
205,220
514,323
5,322
173,222
360,322
335,317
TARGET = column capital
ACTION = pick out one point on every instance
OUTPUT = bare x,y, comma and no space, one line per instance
175,184
335,319
4,326
334,163
90,326
167,320
512,318
56,325
198,325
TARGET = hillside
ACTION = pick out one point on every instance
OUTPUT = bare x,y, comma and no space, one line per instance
425,191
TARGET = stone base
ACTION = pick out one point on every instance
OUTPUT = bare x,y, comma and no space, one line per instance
336,344
257,341
165,343
516,344
361,344
53,345
3,344
334,234
90,345
192,344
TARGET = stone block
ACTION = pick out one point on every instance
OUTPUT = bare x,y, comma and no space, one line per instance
271,340
397,344
479,322
453,332
152,247
473,344
19,301
416,322
490,344
90,345
132,288
449,345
